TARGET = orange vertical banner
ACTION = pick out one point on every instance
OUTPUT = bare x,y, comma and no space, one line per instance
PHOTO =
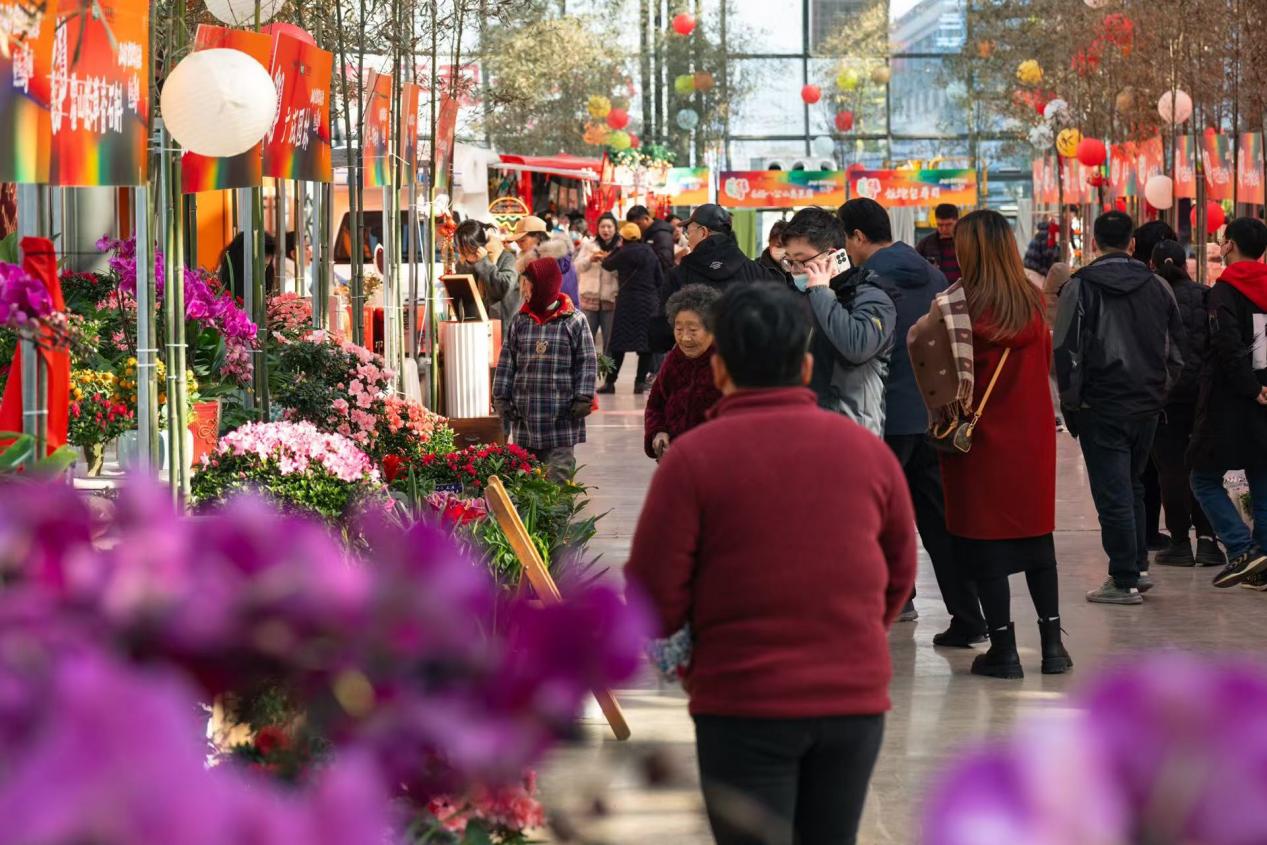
26,55
376,133
407,144
297,145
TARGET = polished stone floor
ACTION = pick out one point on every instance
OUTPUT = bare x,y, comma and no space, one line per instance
600,787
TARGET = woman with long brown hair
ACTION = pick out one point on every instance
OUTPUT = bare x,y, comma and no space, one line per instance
1001,494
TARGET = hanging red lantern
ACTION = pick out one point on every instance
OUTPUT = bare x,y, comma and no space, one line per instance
618,118
844,121
1091,152
634,141
1214,217
684,24
1120,205
811,94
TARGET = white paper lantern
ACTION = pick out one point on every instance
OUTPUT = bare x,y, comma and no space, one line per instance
242,12
823,146
688,119
1096,4
218,103
1159,190
1041,137
1054,109
1175,106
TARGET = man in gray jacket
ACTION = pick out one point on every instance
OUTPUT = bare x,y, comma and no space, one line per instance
853,316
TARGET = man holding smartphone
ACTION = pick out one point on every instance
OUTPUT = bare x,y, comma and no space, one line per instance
853,316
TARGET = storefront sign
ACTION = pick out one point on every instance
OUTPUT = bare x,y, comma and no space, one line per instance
99,94
376,132
687,186
26,53
297,145
201,173
918,188
781,188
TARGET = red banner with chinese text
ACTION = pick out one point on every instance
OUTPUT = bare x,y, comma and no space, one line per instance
297,145
1216,154
376,132
446,129
99,95
1044,175
915,188
1249,168
26,55
407,144
1123,175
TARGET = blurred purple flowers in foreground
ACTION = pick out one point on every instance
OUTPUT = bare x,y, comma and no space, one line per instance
403,658
1168,750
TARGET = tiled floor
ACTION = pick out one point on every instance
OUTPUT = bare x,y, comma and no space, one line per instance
599,785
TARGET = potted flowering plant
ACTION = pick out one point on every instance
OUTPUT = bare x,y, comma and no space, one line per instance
98,414
333,384
296,465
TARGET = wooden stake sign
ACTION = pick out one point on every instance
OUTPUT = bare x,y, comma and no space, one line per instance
539,577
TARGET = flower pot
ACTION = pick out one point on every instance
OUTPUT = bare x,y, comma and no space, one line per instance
130,450
94,459
205,425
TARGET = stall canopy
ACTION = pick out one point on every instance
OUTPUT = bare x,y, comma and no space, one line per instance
573,167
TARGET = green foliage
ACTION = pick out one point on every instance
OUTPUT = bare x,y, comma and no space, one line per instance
314,491
22,451
9,252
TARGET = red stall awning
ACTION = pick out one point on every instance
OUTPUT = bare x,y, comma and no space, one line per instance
573,167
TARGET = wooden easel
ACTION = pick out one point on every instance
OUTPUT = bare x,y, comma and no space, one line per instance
539,577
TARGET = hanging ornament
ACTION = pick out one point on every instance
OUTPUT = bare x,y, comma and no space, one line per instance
1041,137
618,118
1029,72
1067,142
847,79
811,94
881,75
985,48
598,106
1214,217
684,24
704,81
596,134
1175,107
634,141
1096,4
1091,152
1097,180
1125,100
688,119
823,146
619,140
218,103
684,85
1055,110
242,12
1159,191
844,121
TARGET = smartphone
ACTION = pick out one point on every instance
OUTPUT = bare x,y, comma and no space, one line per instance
841,262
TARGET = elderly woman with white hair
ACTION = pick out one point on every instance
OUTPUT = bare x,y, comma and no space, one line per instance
683,392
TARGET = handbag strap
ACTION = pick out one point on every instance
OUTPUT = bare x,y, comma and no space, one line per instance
985,399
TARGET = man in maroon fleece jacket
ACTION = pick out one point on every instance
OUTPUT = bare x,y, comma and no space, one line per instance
784,535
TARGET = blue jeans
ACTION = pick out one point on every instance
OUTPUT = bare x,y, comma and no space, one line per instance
1116,450
1223,514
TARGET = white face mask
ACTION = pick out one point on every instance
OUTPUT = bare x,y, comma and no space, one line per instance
801,280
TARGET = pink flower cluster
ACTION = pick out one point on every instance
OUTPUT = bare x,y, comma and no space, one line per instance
403,415
296,447
23,298
237,365
123,263
289,316
513,807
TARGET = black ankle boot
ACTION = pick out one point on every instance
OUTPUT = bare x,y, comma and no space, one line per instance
1001,661
1056,661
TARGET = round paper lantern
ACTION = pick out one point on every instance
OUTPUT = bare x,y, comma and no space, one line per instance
1054,109
619,140
684,84
844,121
598,106
1091,152
811,94
684,24
823,146
242,12
1029,72
1096,4
596,134
1159,191
1125,100
688,119
218,103
704,81
847,79
618,118
1175,106
1041,137
1067,142
1214,217
634,141
881,75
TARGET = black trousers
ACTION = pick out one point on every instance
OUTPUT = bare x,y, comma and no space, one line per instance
1170,450
786,781
640,374
923,476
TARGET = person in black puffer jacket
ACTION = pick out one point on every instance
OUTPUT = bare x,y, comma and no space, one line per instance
1174,431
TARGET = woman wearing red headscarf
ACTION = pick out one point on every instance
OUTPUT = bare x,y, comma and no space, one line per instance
544,388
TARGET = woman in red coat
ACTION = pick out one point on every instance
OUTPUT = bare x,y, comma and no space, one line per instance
683,392
1001,496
